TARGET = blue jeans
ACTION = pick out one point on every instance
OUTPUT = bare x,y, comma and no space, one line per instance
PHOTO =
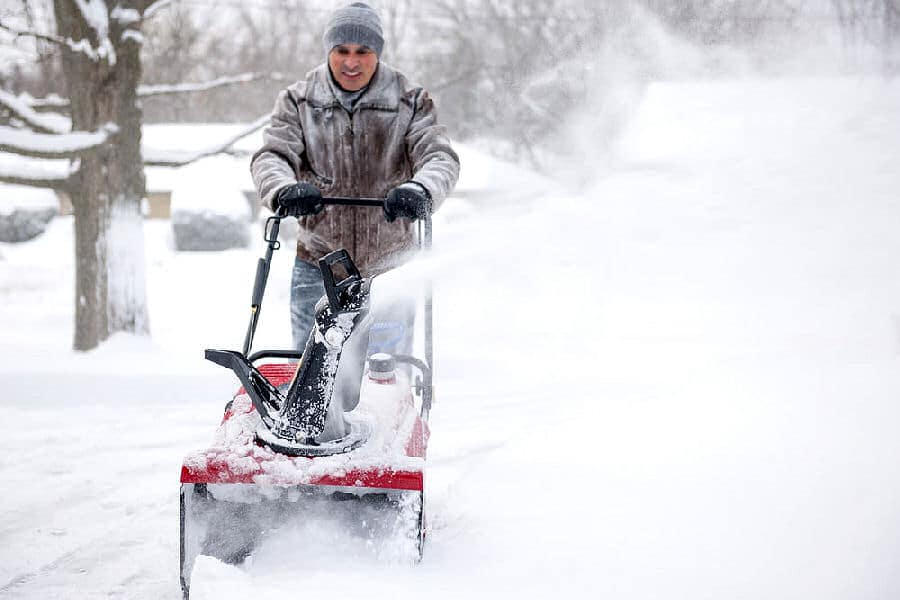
306,289
391,328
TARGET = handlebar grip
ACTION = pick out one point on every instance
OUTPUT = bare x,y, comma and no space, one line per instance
259,283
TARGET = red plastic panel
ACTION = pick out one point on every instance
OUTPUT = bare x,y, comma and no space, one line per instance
418,440
276,373
375,478
216,469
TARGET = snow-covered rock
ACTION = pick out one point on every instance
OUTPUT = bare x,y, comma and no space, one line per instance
208,231
25,212
209,212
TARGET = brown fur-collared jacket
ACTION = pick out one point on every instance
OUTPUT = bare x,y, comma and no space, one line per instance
391,137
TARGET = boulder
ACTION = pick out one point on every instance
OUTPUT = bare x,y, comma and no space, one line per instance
208,231
25,212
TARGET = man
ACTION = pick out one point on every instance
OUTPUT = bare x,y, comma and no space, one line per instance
354,127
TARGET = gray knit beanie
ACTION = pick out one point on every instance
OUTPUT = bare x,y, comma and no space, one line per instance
354,24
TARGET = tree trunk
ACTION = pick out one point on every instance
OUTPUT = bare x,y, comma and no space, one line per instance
109,184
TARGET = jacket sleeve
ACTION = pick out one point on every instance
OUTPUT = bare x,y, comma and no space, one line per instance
277,163
435,164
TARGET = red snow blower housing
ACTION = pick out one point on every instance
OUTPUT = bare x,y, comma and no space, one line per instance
342,424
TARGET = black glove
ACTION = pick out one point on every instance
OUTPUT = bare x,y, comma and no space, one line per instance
409,200
299,199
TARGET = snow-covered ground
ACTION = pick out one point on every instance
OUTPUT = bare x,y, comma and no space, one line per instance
681,382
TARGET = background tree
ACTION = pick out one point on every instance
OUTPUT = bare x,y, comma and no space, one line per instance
99,47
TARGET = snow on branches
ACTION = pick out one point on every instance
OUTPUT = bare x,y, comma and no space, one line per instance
43,123
49,136
83,46
155,7
96,16
31,140
145,91
125,16
44,145
53,174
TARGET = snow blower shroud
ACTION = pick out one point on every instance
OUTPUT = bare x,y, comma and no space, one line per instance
337,425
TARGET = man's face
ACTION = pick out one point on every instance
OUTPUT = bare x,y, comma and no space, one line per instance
352,65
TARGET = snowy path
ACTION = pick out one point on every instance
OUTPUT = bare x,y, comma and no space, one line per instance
679,383
88,461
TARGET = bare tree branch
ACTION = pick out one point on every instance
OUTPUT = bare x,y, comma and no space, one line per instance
45,37
146,91
82,46
154,7
163,158
22,111
49,103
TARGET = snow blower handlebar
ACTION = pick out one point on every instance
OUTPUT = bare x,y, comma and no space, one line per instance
262,271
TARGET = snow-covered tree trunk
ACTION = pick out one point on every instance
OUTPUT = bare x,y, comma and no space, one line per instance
108,185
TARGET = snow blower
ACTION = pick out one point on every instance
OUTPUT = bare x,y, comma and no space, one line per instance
334,425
